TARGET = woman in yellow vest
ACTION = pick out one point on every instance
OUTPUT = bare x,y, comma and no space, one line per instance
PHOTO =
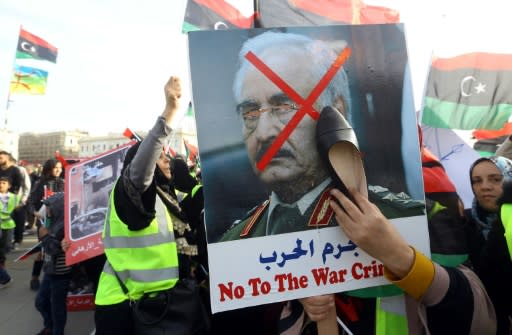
489,224
139,232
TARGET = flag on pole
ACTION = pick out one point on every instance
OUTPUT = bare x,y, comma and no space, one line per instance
190,110
469,91
34,56
28,80
191,151
34,47
131,135
61,159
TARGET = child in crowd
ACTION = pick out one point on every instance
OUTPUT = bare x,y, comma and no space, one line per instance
51,297
8,202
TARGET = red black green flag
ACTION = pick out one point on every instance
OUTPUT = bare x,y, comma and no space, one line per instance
191,151
32,46
469,91
214,15
218,14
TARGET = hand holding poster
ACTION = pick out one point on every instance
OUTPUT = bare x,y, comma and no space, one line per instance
260,107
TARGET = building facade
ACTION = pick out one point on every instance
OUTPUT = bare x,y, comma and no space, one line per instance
9,142
39,147
91,146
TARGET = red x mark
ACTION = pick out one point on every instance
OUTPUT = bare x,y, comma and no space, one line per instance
306,105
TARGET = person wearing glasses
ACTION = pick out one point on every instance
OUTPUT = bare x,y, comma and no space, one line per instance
298,173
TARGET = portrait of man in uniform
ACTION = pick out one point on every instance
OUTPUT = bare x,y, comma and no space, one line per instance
269,155
298,176
283,117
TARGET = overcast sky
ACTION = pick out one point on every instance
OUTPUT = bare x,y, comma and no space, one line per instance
115,56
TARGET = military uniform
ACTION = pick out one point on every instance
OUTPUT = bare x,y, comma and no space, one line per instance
320,214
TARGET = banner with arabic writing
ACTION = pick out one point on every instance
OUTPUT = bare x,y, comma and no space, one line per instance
272,235
88,186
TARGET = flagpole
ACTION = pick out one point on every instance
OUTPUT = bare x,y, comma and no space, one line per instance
9,101
257,14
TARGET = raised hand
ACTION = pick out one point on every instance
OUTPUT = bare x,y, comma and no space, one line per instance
172,90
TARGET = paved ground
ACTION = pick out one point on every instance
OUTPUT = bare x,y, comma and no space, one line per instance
18,316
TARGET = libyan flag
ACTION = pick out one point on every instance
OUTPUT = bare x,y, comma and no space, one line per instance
31,46
469,91
219,14
214,15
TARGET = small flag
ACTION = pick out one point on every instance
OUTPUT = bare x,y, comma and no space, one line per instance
31,46
131,135
28,80
61,159
171,152
190,110
191,151
469,91
33,250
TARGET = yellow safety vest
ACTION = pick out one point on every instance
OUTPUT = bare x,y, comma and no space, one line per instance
193,192
506,220
145,260
6,222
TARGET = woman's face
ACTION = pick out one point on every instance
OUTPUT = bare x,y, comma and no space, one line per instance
164,163
487,183
57,170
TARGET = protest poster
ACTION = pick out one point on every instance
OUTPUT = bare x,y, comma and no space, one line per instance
256,136
87,189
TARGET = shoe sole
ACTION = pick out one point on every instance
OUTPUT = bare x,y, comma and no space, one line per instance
346,162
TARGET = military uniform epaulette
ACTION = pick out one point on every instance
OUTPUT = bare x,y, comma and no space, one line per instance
253,224
397,201
247,215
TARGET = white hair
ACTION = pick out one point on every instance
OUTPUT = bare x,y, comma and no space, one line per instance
320,53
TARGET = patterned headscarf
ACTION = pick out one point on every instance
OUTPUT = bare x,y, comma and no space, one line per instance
482,217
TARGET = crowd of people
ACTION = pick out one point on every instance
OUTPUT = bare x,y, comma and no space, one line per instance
154,239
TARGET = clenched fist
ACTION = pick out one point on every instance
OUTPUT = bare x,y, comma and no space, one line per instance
172,92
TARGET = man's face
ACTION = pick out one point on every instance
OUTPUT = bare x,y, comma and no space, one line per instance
298,159
4,160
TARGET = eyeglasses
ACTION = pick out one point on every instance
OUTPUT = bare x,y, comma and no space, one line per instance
251,114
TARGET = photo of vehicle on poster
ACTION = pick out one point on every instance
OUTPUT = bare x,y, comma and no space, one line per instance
88,186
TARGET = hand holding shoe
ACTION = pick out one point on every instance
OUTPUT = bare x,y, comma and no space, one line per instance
367,227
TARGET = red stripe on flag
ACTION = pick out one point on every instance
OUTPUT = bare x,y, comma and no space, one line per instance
230,13
476,60
482,134
36,40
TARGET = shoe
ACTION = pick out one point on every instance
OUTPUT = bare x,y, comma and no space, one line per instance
338,148
34,284
29,231
7,283
15,246
45,331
